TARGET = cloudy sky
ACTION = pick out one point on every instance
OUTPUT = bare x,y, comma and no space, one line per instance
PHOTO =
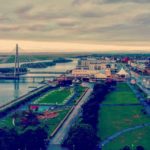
75,25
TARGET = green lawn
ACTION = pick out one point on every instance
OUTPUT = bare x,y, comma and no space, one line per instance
116,118
6,122
50,123
53,123
59,96
80,91
113,119
122,94
137,137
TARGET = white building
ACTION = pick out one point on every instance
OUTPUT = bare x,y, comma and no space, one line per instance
122,72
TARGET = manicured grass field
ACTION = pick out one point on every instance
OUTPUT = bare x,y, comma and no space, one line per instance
117,118
121,95
53,123
59,96
80,91
134,138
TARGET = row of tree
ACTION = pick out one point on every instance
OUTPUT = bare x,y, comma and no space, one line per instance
83,135
29,140
137,148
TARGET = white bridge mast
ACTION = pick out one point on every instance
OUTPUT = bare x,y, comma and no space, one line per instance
16,69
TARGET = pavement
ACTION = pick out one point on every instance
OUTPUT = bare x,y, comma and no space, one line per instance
141,99
63,131
135,104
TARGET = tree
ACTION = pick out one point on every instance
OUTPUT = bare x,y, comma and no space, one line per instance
35,140
84,135
8,139
126,148
81,137
139,148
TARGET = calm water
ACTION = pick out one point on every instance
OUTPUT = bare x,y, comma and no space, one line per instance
60,67
10,89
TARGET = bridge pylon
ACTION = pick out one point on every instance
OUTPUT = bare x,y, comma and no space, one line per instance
16,69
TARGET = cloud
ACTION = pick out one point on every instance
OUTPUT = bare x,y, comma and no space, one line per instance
24,9
125,1
4,19
79,2
76,20
8,28
142,19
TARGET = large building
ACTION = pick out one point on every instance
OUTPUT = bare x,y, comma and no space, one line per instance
91,73
96,64
145,81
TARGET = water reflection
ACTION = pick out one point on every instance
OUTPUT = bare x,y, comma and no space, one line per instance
10,89
16,88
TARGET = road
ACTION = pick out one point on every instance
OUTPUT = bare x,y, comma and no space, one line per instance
61,134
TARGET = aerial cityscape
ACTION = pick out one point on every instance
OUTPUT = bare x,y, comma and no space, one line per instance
75,75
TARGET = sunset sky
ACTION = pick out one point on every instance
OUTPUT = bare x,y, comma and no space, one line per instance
75,25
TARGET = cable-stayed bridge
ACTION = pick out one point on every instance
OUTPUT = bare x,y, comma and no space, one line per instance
15,66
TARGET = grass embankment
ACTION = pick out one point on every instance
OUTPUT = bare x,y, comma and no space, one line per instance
59,96
116,118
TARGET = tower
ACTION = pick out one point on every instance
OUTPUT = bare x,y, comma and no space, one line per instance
16,69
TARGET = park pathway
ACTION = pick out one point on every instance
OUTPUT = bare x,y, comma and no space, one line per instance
141,98
135,104
119,133
114,136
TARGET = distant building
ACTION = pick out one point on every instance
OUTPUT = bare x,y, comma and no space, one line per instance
90,73
84,73
95,64
123,73
145,81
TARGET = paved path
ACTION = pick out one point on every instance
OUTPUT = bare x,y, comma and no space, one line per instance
141,99
134,104
111,138
61,134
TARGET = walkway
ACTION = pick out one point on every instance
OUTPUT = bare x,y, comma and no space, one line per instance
109,139
61,134
141,99
135,104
